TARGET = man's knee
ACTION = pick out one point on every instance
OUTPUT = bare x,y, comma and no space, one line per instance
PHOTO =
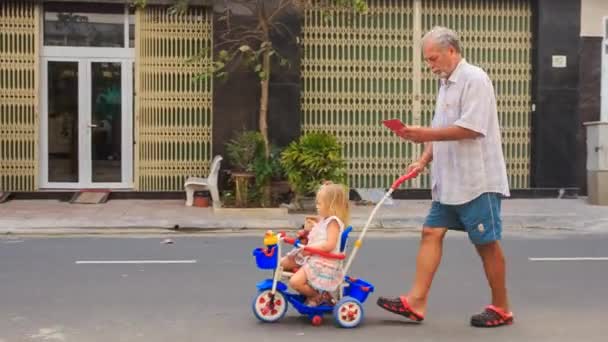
490,250
433,234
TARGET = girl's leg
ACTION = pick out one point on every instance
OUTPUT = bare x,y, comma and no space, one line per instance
289,263
299,283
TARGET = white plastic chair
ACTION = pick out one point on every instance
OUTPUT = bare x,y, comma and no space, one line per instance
193,184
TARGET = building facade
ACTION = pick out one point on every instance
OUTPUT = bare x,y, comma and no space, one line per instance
97,94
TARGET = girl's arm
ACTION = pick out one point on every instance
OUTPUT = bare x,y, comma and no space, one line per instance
310,222
333,235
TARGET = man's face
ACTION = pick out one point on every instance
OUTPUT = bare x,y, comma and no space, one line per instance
441,60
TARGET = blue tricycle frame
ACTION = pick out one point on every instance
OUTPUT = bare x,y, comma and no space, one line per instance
270,303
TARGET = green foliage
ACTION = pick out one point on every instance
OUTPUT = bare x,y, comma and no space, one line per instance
244,149
267,169
248,49
357,6
312,159
178,7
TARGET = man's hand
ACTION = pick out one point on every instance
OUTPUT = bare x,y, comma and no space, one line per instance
417,166
415,134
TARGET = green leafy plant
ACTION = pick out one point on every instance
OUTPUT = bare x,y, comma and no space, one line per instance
267,169
314,158
244,149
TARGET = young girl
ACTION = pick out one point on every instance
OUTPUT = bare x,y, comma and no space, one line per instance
318,276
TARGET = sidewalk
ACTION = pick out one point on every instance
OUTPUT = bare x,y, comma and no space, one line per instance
141,216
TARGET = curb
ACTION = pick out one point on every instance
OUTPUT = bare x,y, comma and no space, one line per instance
193,230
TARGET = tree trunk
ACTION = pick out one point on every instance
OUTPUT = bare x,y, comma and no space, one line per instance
265,89
265,85
242,181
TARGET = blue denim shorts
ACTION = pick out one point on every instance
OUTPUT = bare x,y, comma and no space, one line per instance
480,218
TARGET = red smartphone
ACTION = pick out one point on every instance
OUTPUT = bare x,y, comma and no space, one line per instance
394,124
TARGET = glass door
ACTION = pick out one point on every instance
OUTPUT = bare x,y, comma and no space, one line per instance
105,126
62,118
87,120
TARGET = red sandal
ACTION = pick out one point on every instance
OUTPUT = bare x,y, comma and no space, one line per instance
492,317
401,307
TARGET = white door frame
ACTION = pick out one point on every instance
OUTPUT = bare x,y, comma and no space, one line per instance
84,60
604,73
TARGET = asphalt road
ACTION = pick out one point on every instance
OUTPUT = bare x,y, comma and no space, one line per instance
46,295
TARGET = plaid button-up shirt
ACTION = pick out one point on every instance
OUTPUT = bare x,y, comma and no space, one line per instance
464,169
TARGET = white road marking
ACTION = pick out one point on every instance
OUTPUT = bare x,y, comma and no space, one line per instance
570,259
49,334
111,262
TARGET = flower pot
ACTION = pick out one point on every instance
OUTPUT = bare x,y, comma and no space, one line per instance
308,203
201,201
280,187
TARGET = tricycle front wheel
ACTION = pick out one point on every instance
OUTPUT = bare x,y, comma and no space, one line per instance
269,307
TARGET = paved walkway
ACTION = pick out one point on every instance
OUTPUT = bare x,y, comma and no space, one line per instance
49,216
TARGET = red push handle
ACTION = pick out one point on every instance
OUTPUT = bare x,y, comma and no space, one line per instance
289,240
324,254
410,175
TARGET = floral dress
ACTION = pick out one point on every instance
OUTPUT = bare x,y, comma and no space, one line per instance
323,274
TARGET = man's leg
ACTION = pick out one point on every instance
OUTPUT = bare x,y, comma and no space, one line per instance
484,226
413,305
494,265
427,262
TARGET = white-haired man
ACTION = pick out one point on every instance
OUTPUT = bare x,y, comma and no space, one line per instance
468,177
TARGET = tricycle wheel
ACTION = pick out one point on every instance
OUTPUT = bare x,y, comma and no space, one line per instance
348,313
317,320
269,307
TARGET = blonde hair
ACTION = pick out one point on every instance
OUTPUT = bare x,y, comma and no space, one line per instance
336,197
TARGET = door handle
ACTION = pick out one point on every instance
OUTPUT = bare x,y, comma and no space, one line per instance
92,125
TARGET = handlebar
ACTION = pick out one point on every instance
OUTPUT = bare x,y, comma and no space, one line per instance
410,175
312,250
324,254
289,240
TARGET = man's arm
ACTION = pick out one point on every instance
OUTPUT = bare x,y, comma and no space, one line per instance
427,154
478,103
424,160
427,134
452,133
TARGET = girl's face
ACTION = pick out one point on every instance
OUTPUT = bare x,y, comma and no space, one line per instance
322,205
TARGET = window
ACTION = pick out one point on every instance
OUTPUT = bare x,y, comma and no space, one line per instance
86,24
131,28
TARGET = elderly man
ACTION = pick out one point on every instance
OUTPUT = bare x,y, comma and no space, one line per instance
468,177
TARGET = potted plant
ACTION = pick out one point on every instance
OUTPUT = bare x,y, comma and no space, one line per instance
242,151
267,171
308,162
